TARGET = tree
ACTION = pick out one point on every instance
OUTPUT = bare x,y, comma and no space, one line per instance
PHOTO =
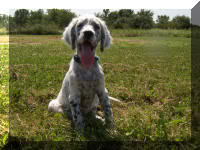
120,23
122,18
61,17
125,13
126,18
112,17
144,19
105,13
181,22
4,21
163,21
65,17
21,17
36,16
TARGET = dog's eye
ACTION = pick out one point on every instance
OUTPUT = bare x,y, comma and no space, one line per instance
96,27
80,26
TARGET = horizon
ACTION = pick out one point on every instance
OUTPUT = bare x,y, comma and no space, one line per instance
156,12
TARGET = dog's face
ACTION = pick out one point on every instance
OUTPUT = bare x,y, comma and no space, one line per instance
84,33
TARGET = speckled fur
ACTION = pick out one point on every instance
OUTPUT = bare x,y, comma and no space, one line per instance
83,89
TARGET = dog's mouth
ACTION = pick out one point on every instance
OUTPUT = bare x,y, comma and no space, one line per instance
86,52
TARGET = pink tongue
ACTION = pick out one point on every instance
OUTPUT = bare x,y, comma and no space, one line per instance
87,59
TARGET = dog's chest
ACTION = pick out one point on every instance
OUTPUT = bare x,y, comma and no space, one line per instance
88,81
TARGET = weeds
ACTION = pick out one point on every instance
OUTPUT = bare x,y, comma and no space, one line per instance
151,75
151,33
4,101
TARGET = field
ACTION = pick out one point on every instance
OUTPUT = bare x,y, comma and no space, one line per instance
4,100
3,31
150,74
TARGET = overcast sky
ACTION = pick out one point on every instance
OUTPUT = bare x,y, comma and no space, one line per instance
169,12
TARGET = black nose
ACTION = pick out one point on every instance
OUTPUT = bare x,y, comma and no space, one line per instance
88,34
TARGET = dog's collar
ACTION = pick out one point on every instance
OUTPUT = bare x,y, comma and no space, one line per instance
78,59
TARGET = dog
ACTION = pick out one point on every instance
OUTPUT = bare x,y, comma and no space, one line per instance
83,87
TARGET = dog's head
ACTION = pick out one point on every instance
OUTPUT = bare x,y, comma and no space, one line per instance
84,33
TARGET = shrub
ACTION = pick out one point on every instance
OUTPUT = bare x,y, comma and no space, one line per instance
39,29
181,22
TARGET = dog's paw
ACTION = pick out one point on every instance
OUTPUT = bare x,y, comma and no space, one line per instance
54,106
80,126
109,123
99,118
68,114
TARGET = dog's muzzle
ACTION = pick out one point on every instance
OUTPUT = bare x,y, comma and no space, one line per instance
87,44
88,35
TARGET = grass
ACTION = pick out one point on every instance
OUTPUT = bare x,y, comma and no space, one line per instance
150,74
150,33
4,97
3,31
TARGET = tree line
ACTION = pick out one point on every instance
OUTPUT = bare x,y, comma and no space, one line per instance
53,21
40,22
3,21
143,19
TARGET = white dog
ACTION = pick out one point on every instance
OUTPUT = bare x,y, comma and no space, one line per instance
84,86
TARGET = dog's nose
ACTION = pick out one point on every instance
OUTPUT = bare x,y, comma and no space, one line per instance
88,34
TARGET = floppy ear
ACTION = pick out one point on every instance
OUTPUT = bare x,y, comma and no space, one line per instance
69,35
106,38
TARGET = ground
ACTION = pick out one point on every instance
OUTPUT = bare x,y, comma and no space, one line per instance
150,74
4,100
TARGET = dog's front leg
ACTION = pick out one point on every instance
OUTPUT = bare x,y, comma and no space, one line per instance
105,103
74,101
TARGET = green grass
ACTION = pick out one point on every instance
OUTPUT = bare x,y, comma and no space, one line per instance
3,31
150,33
150,74
4,98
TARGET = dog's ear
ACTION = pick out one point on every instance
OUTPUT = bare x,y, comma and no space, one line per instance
106,38
69,35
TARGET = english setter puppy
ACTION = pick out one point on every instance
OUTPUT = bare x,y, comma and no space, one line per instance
84,86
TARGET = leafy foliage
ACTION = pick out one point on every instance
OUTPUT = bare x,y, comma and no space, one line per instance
39,22
36,17
181,22
163,22
61,17
21,17
3,21
29,22
126,18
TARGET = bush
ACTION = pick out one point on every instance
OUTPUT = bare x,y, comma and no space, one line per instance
3,31
126,18
121,23
38,22
181,22
39,29
163,22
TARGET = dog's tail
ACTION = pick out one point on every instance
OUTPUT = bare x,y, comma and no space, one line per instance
114,99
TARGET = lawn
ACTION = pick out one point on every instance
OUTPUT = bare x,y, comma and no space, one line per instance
3,31
4,97
151,75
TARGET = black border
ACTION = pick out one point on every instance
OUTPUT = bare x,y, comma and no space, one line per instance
195,74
